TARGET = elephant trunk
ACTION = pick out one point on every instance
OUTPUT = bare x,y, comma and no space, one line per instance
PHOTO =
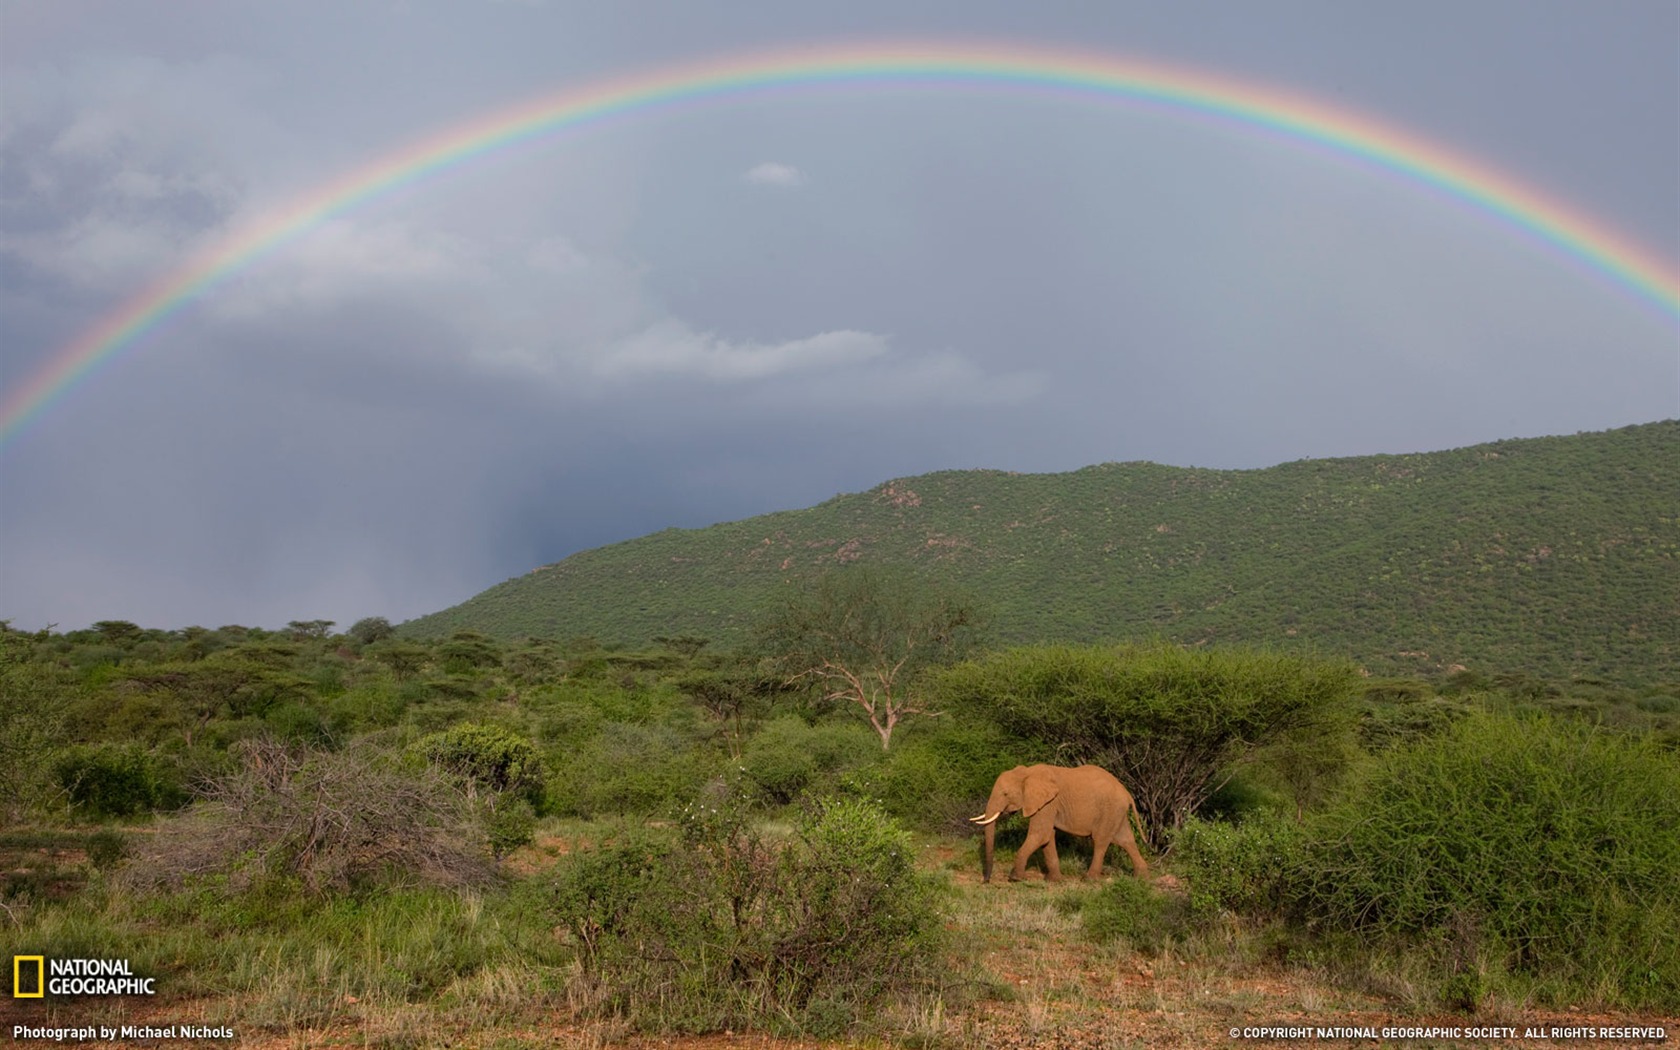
996,807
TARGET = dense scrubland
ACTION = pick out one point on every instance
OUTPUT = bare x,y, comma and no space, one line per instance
402,837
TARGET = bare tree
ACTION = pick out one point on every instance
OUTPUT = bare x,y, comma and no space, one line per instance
860,638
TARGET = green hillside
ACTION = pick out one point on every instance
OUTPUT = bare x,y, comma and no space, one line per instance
1556,556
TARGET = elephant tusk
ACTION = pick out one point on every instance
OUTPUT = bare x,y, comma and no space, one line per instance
983,819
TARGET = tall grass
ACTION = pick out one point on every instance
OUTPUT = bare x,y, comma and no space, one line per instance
288,958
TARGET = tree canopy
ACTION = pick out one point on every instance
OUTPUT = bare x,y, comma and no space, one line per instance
1173,724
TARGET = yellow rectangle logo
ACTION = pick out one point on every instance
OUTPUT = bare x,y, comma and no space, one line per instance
40,962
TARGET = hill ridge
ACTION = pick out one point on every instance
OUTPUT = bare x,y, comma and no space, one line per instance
1557,555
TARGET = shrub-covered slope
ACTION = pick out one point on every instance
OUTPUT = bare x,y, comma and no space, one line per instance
1558,556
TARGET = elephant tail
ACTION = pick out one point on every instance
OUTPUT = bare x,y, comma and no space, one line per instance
1135,816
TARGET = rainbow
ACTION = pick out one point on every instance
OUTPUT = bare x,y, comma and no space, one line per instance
1009,67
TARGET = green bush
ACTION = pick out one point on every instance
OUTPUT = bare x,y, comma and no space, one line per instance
115,780
510,825
371,705
722,928
939,774
299,723
777,763
370,629
787,757
1144,916
1544,850
487,758
1659,703
627,769
1239,798
1247,867
860,900
468,651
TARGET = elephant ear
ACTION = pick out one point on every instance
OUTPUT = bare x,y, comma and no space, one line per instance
1040,791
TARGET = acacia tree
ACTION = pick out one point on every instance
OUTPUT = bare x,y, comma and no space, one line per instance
733,693
1173,724
370,629
860,638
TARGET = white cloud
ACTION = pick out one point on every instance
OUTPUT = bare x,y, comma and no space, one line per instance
100,251
844,365
949,378
558,256
345,260
671,348
771,173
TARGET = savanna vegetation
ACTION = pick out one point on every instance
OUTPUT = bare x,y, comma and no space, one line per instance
391,836
1557,557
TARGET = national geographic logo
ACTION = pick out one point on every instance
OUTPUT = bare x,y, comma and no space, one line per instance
33,976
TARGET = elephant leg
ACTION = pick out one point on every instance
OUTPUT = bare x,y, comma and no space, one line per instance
1052,863
1036,838
1128,843
1099,852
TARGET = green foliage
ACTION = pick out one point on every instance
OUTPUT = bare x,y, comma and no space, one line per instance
467,651
306,629
1132,909
182,698
1240,796
1556,556
292,960
788,757
487,758
1249,868
734,697
119,632
370,629
864,916
510,825
115,780
1384,723
363,708
299,723
273,851
404,659
1171,723
1532,847
725,929
34,699
628,768
533,664
941,774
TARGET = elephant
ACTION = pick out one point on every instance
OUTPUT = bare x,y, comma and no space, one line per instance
1083,801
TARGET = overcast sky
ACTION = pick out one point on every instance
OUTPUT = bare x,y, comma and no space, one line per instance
697,315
